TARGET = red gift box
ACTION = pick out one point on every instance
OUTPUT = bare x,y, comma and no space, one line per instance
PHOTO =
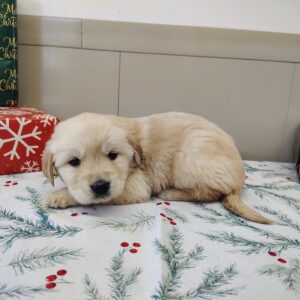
23,135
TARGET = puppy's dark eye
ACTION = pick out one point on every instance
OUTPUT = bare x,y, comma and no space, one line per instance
74,162
112,155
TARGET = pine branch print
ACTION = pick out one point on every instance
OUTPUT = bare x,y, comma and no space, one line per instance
90,289
132,277
191,257
24,228
250,246
132,223
36,202
20,291
267,173
250,169
175,214
278,241
289,275
215,216
280,185
284,219
177,261
8,215
42,258
116,276
227,218
265,190
13,232
119,280
283,170
212,284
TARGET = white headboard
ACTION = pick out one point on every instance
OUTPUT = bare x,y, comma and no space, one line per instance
247,82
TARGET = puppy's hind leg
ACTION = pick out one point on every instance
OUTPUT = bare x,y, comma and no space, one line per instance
232,202
61,199
176,195
189,195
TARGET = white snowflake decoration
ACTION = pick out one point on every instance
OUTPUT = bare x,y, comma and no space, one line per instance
30,166
19,138
46,119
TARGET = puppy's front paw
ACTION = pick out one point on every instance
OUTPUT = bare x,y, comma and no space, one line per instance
61,199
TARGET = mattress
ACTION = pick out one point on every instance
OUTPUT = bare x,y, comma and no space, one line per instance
154,250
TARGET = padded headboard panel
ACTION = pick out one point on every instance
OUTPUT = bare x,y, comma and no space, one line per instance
247,82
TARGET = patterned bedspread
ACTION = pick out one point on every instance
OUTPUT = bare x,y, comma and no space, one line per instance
156,250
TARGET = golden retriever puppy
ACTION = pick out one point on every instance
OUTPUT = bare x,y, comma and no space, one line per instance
175,156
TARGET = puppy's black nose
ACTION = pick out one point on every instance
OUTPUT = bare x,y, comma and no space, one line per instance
100,187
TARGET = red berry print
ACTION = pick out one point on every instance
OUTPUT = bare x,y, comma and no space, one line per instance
173,223
124,244
61,272
50,285
14,183
159,203
8,181
51,278
281,260
136,244
133,250
74,214
170,219
84,213
6,184
163,215
272,253
167,203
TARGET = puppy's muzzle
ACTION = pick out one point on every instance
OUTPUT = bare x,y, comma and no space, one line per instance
100,188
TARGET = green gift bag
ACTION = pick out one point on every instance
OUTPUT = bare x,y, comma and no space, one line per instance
8,53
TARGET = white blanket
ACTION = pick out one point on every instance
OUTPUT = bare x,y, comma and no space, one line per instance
155,250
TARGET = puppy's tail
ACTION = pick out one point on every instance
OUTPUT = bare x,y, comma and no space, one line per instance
233,203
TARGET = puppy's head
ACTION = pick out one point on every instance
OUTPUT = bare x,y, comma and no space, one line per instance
92,155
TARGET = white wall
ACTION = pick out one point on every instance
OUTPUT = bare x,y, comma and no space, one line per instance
261,15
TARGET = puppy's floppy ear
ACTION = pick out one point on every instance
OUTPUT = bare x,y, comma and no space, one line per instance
49,169
137,155
137,151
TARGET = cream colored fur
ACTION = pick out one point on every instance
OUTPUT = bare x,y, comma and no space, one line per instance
175,156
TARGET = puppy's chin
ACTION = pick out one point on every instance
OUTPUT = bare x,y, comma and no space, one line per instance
87,198
90,200
101,200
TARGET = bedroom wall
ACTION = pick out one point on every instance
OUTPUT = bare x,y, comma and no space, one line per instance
247,82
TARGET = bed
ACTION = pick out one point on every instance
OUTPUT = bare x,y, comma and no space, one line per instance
155,250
